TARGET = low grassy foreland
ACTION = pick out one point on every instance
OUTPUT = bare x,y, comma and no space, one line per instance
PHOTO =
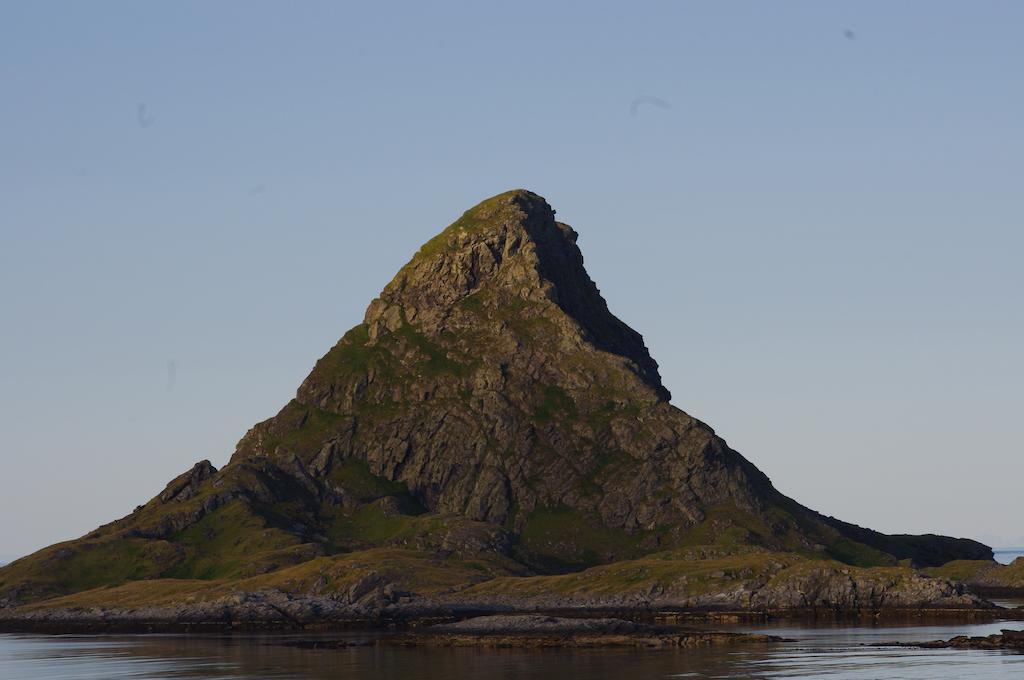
984,576
701,575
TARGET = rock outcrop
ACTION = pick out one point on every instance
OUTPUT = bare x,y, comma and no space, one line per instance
538,631
489,406
1012,640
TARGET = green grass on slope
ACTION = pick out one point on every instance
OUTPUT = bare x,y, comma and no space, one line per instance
229,541
437,360
693,572
961,570
353,355
233,541
775,528
309,428
555,402
81,565
409,570
690,571
561,539
353,477
369,525
983,573
371,369
478,217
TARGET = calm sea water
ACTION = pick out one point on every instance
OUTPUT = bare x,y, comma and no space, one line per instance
831,652
1007,555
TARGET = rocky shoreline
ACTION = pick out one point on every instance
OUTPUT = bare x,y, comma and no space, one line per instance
305,615
539,631
1006,639
403,589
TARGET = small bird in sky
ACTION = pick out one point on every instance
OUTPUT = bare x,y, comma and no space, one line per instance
644,99
143,116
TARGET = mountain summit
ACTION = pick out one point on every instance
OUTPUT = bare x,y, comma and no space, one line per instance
488,408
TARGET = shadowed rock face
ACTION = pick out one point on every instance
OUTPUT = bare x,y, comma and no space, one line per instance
489,404
510,242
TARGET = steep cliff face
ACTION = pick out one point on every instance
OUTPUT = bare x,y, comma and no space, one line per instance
489,405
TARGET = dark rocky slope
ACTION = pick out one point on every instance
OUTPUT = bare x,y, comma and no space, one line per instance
489,410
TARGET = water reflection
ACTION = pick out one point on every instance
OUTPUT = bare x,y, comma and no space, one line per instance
817,651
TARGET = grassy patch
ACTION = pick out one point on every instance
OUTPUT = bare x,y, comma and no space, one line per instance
681,571
81,565
353,355
408,570
527,319
367,526
136,594
555,402
472,221
983,573
561,538
600,419
437,360
231,542
857,554
775,528
310,428
353,477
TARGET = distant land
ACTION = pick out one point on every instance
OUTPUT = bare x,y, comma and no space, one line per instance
489,438
1007,555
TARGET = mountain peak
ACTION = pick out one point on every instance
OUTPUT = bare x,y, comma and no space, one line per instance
509,254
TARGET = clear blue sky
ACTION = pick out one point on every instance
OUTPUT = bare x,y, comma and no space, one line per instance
820,239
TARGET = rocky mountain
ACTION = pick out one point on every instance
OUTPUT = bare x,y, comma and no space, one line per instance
489,412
